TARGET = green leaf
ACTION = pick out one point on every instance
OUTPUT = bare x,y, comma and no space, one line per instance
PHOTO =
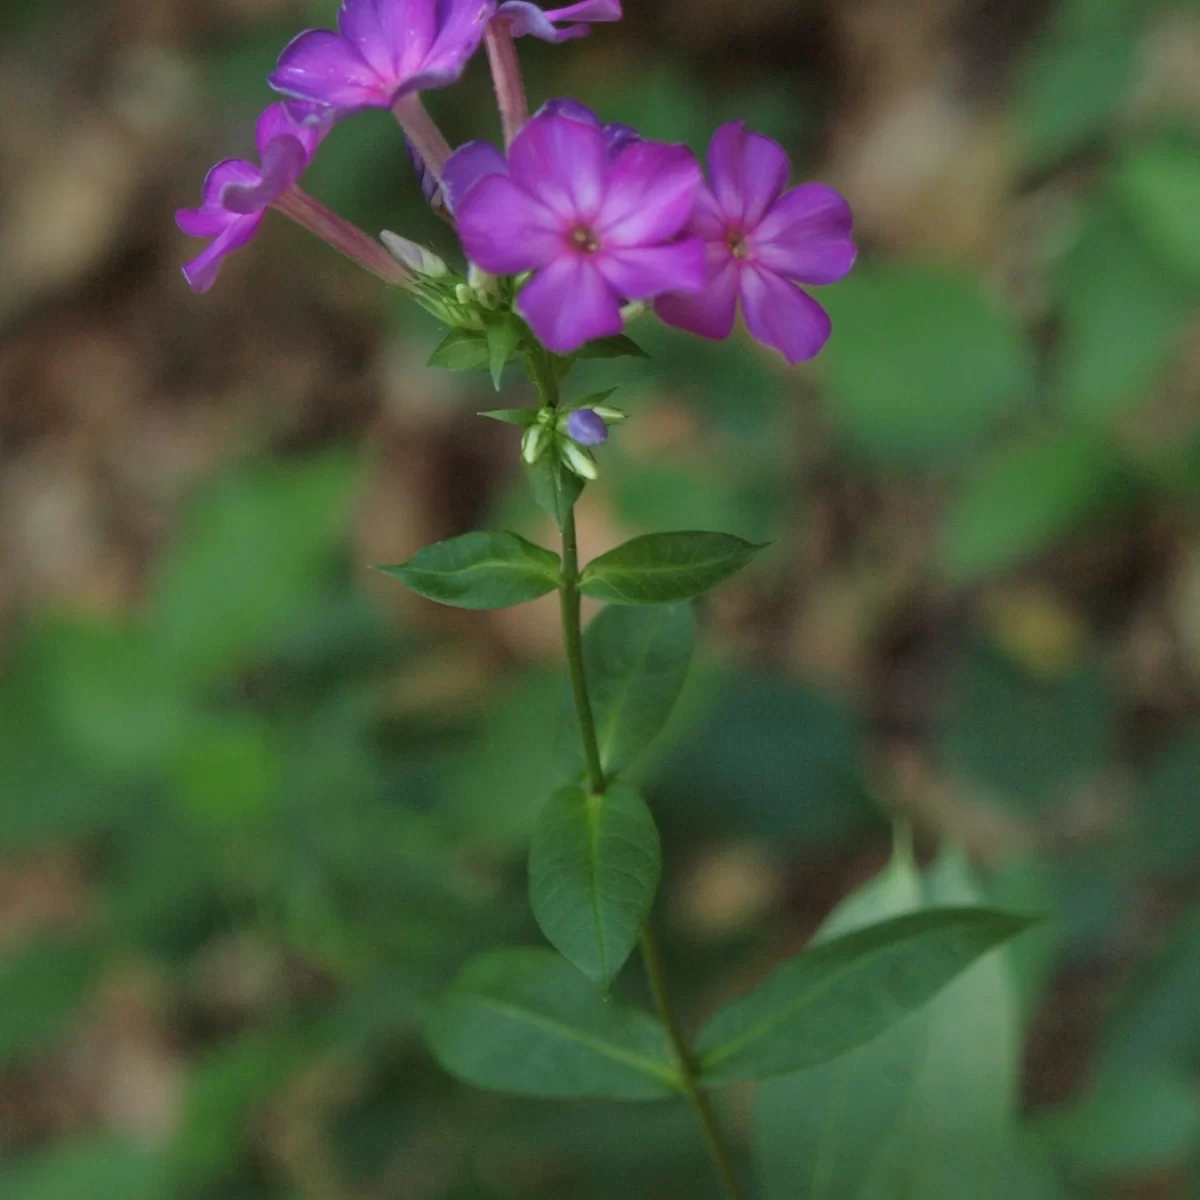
42,988
1022,738
1169,815
522,417
923,1111
1127,1123
1122,320
1160,185
251,552
503,338
462,350
527,1022
94,1166
480,570
664,568
1025,497
554,488
1072,88
843,993
593,870
923,362
619,346
636,661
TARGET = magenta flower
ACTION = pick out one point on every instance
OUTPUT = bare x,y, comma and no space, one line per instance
596,230
383,50
524,19
237,193
761,241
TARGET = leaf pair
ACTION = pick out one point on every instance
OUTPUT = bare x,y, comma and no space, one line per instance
495,570
525,1021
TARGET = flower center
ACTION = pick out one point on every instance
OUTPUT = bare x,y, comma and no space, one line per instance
737,242
584,240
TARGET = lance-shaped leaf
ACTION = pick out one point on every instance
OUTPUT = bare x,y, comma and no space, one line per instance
480,570
503,338
593,870
924,1111
620,345
664,568
527,1022
636,662
845,992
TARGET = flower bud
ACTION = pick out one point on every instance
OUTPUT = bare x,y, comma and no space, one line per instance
578,460
534,443
416,258
585,427
633,310
486,287
463,295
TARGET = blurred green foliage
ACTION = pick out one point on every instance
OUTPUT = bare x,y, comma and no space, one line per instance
228,763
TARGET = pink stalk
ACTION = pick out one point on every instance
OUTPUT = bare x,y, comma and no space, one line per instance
343,236
422,132
506,77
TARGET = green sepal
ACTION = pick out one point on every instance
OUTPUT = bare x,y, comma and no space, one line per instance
621,345
554,488
521,417
588,401
503,337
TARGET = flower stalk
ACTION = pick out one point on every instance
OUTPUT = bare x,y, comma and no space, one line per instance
506,78
421,129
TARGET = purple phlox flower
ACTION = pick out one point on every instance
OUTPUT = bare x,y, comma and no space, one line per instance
383,50
237,193
762,241
594,230
586,427
524,19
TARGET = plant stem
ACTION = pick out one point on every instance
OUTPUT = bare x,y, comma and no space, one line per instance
652,960
569,597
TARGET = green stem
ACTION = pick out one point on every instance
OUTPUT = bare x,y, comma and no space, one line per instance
652,960
572,635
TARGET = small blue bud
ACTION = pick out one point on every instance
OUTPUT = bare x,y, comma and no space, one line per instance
586,428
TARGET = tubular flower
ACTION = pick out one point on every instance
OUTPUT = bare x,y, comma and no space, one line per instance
237,193
524,19
383,50
761,241
594,229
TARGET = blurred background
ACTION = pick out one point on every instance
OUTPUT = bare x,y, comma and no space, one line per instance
257,804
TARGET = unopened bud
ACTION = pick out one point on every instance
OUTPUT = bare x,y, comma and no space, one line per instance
486,287
534,443
463,295
578,460
586,428
416,258
631,312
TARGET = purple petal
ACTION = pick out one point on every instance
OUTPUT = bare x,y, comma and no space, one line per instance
748,172
806,235
569,303
203,222
283,163
571,109
586,428
431,189
707,219
527,20
460,29
645,271
392,36
711,312
470,163
324,68
229,172
594,11
617,137
201,272
780,315
307,123
650,193
562,162
505,230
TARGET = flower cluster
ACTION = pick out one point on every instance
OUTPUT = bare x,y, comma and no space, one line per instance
583,222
